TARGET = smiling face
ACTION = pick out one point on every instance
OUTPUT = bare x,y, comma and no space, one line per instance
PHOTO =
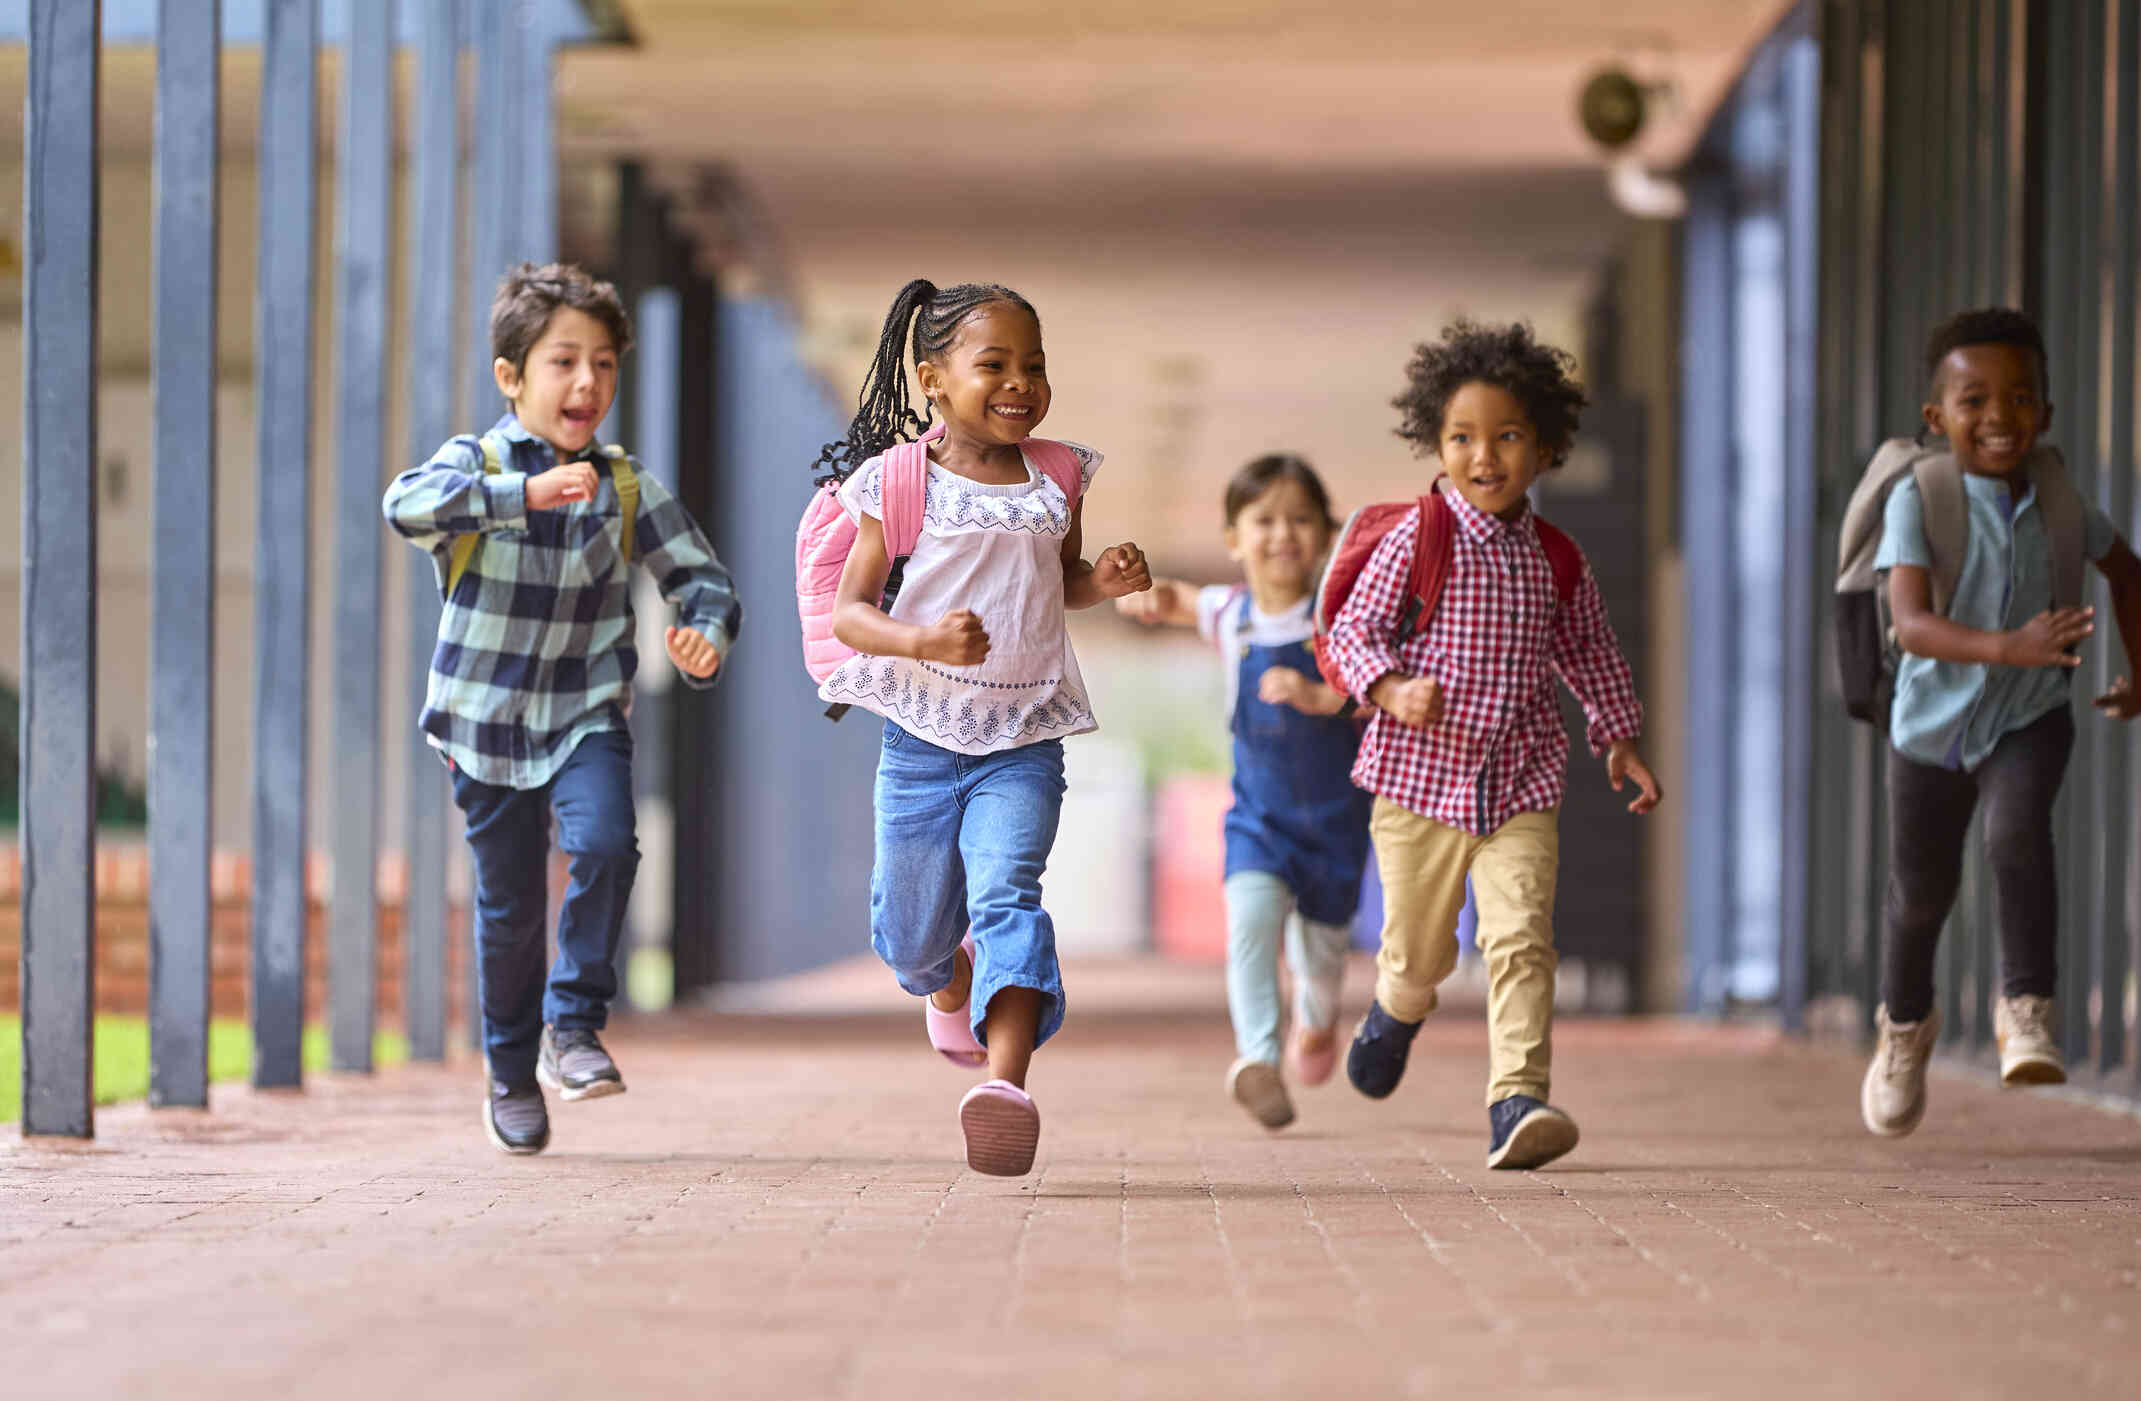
1990,406
992,383
1278,537
1490,449
562,392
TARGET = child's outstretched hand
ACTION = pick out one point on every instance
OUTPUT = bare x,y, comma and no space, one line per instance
1146,607
1409,700
956,639
2044,639
1623,764
2121,702
1120,570
692,653
1282,685
570,481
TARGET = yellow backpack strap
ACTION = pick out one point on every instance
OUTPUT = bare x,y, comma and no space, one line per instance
464,546
627,483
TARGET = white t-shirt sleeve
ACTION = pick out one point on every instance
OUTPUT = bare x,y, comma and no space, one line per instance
1212,602
1089,460
863,493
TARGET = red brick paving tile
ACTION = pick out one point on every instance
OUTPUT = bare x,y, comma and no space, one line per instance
778,1209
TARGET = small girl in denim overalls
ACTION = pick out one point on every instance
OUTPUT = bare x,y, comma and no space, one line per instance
1297,835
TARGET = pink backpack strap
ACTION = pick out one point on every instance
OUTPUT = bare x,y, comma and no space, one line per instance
906,492
1059,464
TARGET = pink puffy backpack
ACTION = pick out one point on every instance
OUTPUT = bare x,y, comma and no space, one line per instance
825,537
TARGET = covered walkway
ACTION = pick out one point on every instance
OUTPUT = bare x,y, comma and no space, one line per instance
778,1209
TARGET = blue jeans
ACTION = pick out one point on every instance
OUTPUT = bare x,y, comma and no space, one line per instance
962,840
509,833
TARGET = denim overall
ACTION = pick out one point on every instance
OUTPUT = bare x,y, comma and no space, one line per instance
1296,813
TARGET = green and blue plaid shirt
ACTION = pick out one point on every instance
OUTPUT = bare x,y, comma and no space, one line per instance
536,646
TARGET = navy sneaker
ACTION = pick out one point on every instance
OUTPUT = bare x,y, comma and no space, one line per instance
1526,1133
573,1063
1376,1061
514,1117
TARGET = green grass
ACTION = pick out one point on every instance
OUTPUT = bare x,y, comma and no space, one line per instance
122,1060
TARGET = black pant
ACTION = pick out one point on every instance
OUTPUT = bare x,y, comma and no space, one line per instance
1929,812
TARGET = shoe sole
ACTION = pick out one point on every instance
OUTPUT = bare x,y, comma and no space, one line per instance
2034,1071
1538,1138
1258,1088
1001,1135
490,1131
599,1089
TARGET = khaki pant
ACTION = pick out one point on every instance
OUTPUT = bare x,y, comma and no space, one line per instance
1423,865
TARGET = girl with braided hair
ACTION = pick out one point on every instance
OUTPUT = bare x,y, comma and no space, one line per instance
968,661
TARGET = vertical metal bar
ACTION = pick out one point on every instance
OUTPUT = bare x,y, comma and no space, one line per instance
434,312
1706,439
59,568
1875,307
282,590
1803,591
495,242
366,231
694,715
2123,177
538,90
182,643
1948,287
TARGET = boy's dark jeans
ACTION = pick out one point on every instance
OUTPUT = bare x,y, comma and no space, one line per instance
1928,818
509,833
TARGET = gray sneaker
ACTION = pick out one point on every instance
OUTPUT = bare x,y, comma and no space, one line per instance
574,1064
2029,1051
1892,1096
514,1117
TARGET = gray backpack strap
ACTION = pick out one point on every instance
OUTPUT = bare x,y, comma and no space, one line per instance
1947,523
2061,506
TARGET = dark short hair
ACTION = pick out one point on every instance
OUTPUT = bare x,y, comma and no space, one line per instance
1258,475
529,296
1541,376
1992,325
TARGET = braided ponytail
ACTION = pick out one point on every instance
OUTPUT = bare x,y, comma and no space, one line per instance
884,414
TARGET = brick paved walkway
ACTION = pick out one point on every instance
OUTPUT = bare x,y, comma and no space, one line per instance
778,1209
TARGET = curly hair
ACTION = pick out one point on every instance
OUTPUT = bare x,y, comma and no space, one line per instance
529,296
1993,325
1509,357
884,415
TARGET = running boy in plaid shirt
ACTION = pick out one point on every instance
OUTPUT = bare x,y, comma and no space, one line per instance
1465,750
534,527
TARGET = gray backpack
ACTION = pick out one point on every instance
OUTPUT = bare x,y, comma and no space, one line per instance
1866,651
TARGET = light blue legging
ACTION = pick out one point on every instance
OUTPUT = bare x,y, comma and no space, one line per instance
1260,909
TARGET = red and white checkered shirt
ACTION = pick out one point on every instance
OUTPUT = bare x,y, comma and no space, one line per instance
1495,644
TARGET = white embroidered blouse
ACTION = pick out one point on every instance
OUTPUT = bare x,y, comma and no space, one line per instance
996,550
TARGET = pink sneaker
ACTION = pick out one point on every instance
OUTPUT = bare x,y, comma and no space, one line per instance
1002,1128
952,1033
1313,1064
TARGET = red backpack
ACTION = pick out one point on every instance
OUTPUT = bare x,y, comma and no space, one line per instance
1365,529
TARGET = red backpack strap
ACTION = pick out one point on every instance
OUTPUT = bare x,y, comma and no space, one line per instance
905,490
1059,464
1564,557
1431,553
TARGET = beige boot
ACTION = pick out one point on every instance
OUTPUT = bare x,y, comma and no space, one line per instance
1892,1097
2029,1052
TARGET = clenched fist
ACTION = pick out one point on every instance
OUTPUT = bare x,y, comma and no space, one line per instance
693,654
956,639
1409,700
1120,570
572,481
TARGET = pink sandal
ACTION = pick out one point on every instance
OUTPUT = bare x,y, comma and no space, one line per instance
952,1033
1002,1128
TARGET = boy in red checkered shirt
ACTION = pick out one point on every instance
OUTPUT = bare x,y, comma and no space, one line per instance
1465,750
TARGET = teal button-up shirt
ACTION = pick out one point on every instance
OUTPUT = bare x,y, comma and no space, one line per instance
1953,713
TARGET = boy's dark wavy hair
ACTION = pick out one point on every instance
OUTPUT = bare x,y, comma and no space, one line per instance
529,296
1992,325
1258,474
1541,376
885,415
